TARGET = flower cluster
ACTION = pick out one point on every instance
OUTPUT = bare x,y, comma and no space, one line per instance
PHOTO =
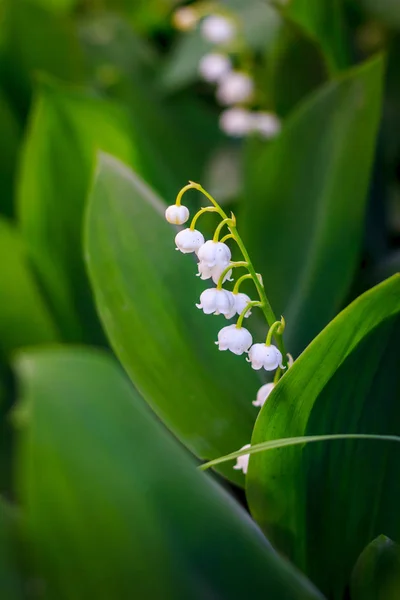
235,88
215,263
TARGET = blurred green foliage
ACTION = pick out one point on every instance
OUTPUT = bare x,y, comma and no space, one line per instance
103,118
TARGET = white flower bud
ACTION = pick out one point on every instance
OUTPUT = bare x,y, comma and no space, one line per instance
235,88
189,240
242,462
218,29
269,357
215,253
236,122
217,302
177,215
235,339
241,301
185,18
263,394
213,66
266,124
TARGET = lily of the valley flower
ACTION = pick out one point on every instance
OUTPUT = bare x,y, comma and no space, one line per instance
215,253
242,462
185,18
236,122
236,339
206,272
241,301
263,394
269,357
217,302
235,88
214,66
266,124
189,240
218,29
177,215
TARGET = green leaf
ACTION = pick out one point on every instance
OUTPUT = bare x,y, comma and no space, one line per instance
304,210
376,575
11,586
24,317
146,293
386,10
323,22
323,503
9,146
122,512
67,127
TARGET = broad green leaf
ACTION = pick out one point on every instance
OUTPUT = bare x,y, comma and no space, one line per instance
115,508
145,294
323,22
10,133
305,201
323,503
11,585
67,127
35,39
376,575
24,316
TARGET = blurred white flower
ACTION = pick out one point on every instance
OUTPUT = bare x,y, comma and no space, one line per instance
236,122
266,124
218,29
241,301
177,215
189,240
235,339
217,302
269,357
242,462
235,88
263,394
185,18
213,66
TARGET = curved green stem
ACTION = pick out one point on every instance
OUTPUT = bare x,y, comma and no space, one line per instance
276,329
231,265
199,213
227,237
224,222
239,281
245,311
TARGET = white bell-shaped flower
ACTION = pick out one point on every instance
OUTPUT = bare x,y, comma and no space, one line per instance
213,66
266,124
269,357
177,215
216,302
236,339
235,88
242,462
206,272
218,29
263,394
236,122
241,301
215,254
185,18
189,240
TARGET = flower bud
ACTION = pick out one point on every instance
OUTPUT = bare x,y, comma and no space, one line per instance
185,18
236,122
266,124
242,462
213,66
218,29
177,215
235,88
263,394
217,302
189,240
236,339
